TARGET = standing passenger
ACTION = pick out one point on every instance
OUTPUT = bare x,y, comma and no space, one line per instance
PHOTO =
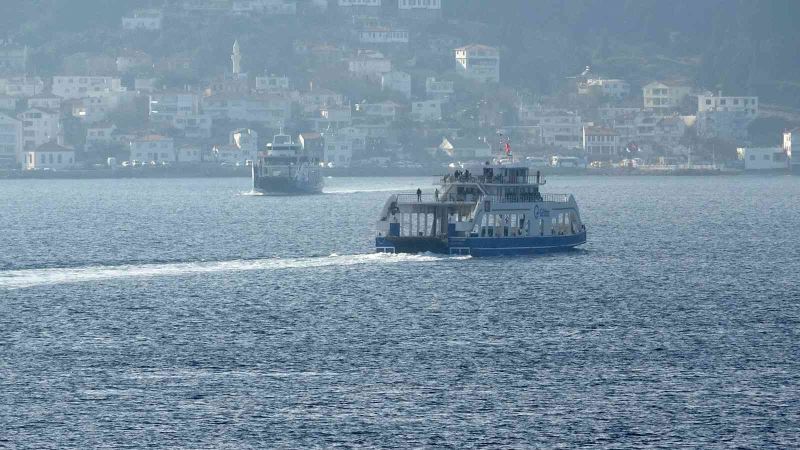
419,194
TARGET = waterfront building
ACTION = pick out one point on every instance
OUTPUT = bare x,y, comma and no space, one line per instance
664,97
40,126
143,19
466,149
337,149
152,147
10,141
478,62
600,143
189,153
100,135
559,127
49,155
725,117
763,158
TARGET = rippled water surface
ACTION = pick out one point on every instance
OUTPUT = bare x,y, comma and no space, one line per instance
189,314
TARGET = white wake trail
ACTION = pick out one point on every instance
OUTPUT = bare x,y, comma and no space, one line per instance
25,278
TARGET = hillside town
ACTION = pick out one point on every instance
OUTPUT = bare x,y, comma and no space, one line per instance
371,83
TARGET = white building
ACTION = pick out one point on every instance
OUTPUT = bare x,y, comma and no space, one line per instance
272,83
10,141
8,103
438,89
23,86
383,110
180,110
708,102
45,101
725,117
143,19
152,148
97,108
398,82
316,99
466,149
247,141
145,84
763,158
49,155
369,64
355,4
420,9
383,35
265,7
478,62
100,135
664,97
607,87
189,153
165,107
600,143
73,87
40,126
333,118
559,128
337,148
271,111
426,111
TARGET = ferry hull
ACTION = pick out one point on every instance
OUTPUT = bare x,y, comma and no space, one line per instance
481,246
286,186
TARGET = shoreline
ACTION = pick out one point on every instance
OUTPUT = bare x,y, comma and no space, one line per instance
360,172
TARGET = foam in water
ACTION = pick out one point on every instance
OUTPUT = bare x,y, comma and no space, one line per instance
17,279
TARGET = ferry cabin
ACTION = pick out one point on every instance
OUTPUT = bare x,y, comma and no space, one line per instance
497,209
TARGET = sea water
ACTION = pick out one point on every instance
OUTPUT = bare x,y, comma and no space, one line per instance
186,314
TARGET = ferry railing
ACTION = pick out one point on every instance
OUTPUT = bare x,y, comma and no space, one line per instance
497,179
407,199
528,198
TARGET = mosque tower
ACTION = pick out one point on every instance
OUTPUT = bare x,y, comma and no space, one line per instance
236,59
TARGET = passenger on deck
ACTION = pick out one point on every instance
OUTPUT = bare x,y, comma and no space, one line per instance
466,175
419,194
436,195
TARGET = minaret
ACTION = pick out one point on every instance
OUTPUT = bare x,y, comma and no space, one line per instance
236,59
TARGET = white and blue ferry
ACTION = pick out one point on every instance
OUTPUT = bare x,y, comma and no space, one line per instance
492,209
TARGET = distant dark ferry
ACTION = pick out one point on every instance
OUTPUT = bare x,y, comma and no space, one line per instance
284,167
